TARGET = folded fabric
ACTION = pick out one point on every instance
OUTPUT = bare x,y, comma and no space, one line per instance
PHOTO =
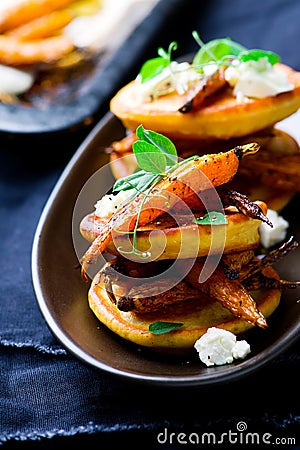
45,395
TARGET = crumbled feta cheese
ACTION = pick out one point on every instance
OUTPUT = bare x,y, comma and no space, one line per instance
251,79
256,79
271,236
210,69
176,77
218,346
108,204
240,349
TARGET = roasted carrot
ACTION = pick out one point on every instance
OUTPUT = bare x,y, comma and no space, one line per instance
268,259
14,52
150,297
42,27
230,293
187,178
209,201
124,145
27,10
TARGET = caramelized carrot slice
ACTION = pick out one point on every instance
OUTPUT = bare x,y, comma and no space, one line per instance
27,10
42,27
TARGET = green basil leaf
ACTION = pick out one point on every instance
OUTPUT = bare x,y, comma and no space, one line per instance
164,144
217,50
256,54
153,67
149,158
164,327
211,218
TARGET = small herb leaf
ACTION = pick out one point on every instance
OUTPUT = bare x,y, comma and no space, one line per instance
211,218
164,327
153,67
256,54
140,132
123,184
149,157
164,144
139,180
154,153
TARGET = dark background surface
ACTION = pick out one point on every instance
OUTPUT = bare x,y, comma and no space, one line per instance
47,397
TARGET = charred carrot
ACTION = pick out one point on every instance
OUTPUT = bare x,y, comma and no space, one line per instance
204,89
149,297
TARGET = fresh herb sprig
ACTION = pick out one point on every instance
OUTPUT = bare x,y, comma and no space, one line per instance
223,51
154,151
156,156
154,66
217,51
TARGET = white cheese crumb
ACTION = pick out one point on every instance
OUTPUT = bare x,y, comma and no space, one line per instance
218,347
271,236
256,79
108,204
240,349
15,81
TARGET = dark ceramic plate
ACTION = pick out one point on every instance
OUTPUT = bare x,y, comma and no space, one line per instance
62,294
78,96
70,101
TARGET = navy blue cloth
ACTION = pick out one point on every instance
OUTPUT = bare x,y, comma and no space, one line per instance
48,397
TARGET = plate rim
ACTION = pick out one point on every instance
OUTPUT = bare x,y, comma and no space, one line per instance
231,372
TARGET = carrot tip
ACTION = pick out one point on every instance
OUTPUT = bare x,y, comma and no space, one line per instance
261,322
247,149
